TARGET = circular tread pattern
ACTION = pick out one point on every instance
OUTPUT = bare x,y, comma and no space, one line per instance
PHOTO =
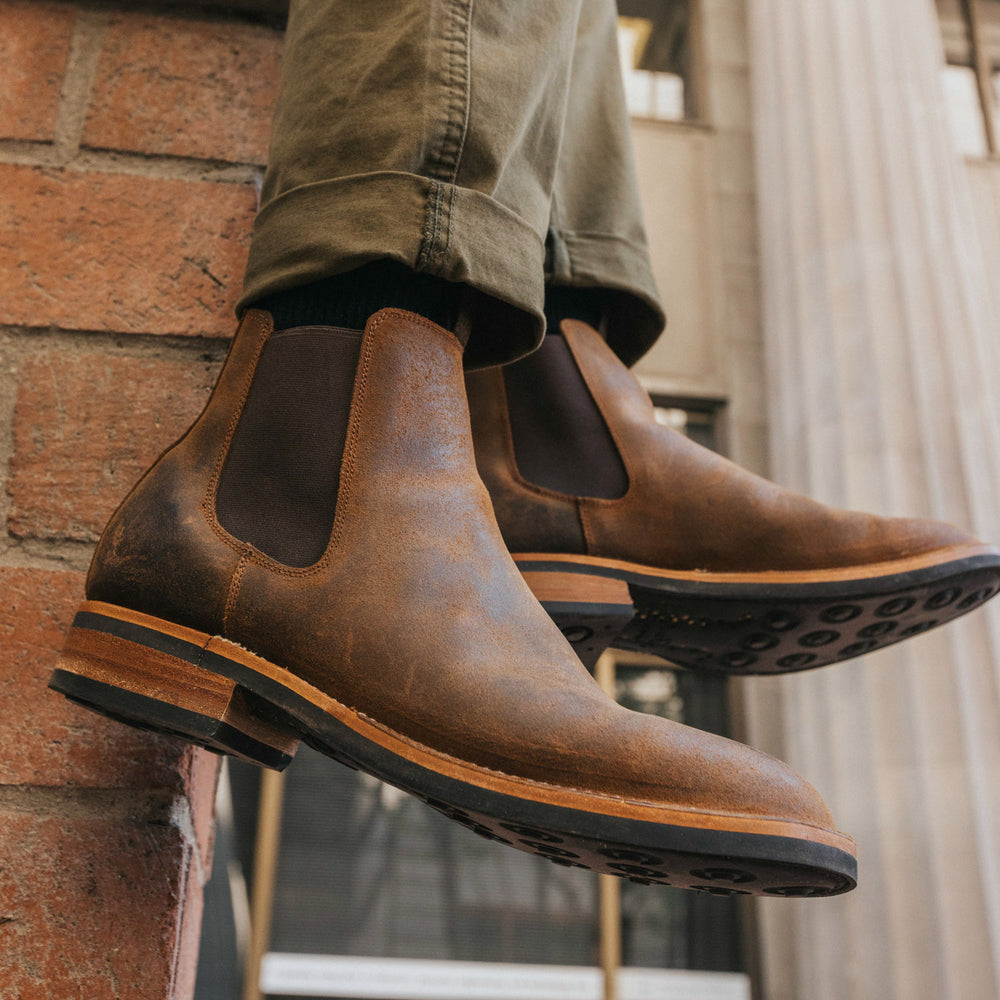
821,638
723,875
896,607
858,648
975,599
877,630
841,613
532,832
759,642
796,661
795,890
943,598
639,871
756,627
458,815
637,857
667,867
549,850
781,621
486,833
920,627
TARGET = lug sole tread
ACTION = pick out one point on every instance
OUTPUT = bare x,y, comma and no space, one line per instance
764,628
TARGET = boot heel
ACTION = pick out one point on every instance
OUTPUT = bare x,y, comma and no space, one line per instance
108,665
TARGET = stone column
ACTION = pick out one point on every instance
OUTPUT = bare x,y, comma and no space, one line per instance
883,354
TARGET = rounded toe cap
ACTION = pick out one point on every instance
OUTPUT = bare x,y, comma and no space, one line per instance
681,767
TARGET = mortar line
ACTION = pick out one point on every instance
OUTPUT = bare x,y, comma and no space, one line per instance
85,45
145,805
22,153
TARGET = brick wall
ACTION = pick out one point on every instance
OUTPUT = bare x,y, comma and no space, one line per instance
131,148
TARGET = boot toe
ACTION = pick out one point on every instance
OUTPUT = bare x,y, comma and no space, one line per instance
707,772
915,536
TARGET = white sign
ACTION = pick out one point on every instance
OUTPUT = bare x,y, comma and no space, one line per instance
420,979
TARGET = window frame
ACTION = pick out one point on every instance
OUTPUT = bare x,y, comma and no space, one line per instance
970,12
696,110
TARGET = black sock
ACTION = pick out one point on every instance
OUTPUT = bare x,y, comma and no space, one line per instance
586,304
561,441
347,300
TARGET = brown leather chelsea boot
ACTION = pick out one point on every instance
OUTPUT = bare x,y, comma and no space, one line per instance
704,563
410,647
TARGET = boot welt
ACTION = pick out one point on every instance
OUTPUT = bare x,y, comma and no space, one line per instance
757,623
157,675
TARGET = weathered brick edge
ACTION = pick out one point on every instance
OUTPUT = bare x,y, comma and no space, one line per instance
130,156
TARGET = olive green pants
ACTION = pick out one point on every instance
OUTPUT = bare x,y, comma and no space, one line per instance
483,141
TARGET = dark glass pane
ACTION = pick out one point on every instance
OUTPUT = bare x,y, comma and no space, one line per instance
696,419
367,870
220,965
955,32
666,49
989,26
220,976
657,49
958,80
675,928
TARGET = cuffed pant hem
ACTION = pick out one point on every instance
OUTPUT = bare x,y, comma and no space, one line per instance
635,317
322,229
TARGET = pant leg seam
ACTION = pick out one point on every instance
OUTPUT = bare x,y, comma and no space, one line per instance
445,160
443,163
431,253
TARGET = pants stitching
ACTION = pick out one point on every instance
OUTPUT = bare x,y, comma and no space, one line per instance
444,162
431,251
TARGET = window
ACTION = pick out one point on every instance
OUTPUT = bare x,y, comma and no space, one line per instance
970,30
657,43
697,419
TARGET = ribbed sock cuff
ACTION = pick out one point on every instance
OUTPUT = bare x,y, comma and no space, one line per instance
347,300
566,302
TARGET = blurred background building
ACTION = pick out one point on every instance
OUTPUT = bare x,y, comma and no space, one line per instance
822,187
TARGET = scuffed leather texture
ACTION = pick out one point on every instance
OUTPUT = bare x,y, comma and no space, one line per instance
416,616
160,553
686,508
531,518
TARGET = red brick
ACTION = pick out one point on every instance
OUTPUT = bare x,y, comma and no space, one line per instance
188,942
45,739
124,253
201,781
85,429
34,45
93,908
185,88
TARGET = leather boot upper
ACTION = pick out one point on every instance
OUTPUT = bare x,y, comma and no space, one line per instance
686,508
415,616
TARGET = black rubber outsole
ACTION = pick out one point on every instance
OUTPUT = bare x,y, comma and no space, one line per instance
771,628
723,862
